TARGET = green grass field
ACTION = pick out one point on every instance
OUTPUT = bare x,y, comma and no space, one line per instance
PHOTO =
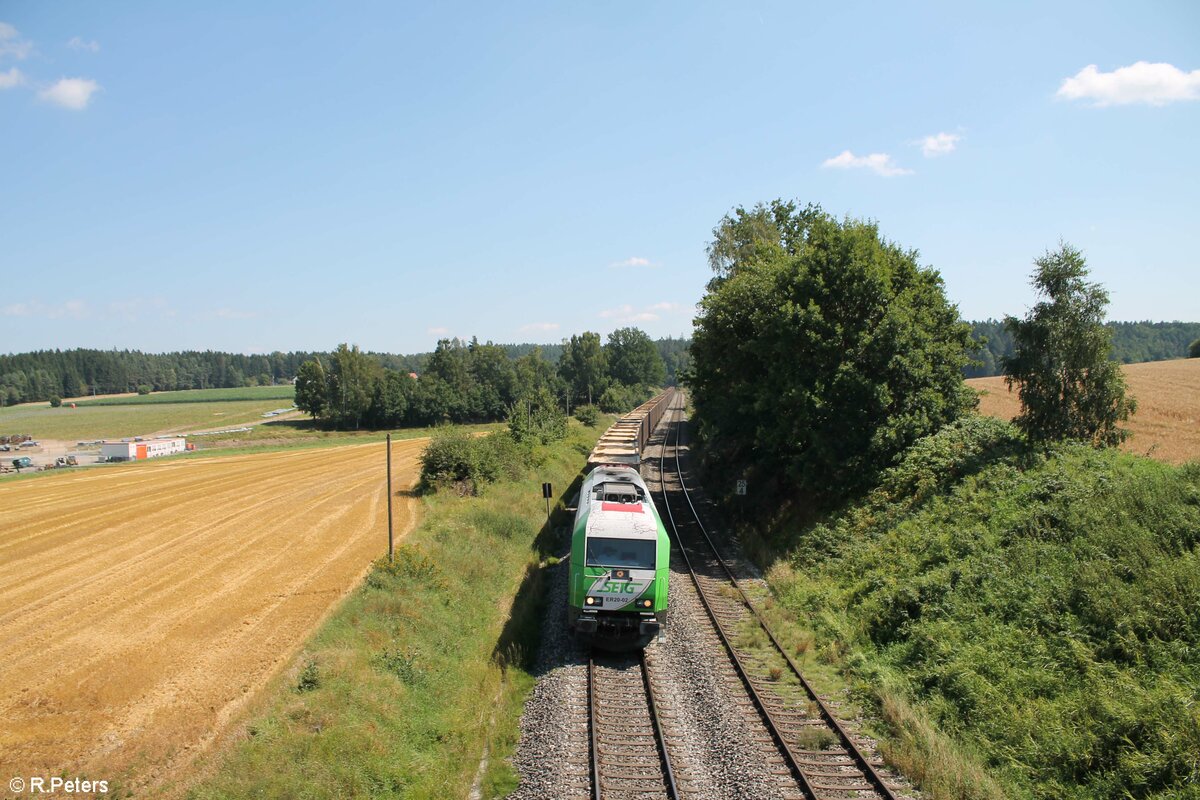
87,423
140,415
251,393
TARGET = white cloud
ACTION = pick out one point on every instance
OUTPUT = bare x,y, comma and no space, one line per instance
939,144
538,327
1143,82
230,313
879,163
439,331
72,93
11,43
135,309
77,43
14,77
73,309
628,313
632,261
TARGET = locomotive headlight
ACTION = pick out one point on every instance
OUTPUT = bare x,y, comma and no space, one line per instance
590,601
646,603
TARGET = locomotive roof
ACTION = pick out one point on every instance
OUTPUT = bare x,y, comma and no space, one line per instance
613,515
614,474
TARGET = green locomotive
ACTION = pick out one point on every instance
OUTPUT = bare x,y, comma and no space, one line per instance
620,558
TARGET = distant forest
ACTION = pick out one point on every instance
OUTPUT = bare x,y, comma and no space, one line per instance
27,377
41,375
1132,343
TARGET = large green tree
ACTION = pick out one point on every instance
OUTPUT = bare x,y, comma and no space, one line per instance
584,366
633,359
821,351
352,377
1069,387
312,389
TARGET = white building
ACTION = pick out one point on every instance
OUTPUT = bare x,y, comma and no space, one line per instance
137,451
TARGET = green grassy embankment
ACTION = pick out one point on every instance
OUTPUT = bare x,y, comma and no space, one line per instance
1023,625
423,668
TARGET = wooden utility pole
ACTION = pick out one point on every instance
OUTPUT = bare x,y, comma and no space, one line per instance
389,494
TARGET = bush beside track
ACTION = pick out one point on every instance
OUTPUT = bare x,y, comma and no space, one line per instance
1026,624
424,667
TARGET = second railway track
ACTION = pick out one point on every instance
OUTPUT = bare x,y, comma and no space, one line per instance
629,755
825,759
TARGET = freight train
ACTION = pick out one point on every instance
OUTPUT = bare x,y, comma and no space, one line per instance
620,553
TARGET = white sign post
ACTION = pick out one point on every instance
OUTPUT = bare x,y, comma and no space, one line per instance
741,487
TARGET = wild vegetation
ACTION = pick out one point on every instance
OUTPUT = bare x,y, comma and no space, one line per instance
467,462
1034,612
424,669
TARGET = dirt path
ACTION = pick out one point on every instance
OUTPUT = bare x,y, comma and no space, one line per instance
142,607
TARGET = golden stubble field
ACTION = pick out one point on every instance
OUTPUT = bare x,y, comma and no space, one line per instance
142,607
1167,423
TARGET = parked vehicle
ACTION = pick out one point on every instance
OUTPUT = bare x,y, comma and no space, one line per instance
24,462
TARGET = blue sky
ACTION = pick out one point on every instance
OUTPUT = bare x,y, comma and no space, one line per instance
297,175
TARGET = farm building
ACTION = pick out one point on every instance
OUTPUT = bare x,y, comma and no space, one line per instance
136,451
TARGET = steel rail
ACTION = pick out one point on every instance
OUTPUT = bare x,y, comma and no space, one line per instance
668,772
847,742
591,683
771,725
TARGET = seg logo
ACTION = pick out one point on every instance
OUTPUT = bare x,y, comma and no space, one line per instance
618,587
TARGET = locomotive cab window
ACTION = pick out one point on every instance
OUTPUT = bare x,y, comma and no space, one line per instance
631,553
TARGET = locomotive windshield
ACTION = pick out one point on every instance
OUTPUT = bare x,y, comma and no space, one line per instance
631,553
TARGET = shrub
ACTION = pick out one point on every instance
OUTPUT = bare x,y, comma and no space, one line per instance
449,457
401,664
536,419
618,398
55,401
144,388
588,415
454,457
310,677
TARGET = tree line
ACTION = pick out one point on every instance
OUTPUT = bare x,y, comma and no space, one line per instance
1132,343
45,374
479,382
41,375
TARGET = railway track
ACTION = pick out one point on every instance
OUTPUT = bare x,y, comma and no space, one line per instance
629,758
825,760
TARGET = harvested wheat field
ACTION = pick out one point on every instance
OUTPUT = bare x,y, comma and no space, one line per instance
1167,423
141,607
